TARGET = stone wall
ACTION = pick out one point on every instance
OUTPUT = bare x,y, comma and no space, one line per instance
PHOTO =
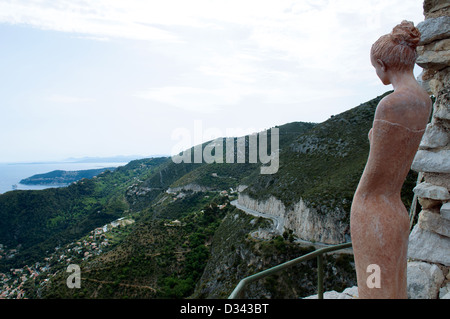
429,241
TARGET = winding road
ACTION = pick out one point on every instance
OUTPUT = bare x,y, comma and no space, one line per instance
279,227
277,220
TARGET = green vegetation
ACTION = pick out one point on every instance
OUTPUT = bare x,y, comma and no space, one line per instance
59,177
229,264
324,163
36,222
187,240
323,166
159,258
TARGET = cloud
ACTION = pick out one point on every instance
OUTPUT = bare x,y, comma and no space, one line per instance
192,99
322,35
100,18
263,45
310,20
231,62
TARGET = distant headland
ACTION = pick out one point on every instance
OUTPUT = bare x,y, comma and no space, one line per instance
60,177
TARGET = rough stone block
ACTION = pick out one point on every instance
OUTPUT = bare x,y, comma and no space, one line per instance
435,223
435,137
427,190
433,162
424,83
445,211
434,29
429,246
438,179
424,280
434,56
442,105
433,5
348,293
428,203
434,81
444,292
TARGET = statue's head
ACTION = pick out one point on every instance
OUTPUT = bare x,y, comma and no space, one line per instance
396,51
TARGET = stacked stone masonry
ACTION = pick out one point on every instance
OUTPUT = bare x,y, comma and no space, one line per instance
429,241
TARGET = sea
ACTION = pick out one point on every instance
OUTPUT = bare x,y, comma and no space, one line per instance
12,173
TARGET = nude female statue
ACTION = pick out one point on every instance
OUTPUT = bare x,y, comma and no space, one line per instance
379,222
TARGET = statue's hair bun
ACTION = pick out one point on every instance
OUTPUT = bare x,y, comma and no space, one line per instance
406,34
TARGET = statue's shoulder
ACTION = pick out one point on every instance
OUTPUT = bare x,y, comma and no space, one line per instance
404,108
386,107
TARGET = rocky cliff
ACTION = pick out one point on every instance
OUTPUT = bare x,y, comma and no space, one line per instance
236,255
305,222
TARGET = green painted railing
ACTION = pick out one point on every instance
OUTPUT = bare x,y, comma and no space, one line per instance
317,253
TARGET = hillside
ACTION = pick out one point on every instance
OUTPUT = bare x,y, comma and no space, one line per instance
33,222
185,238
318,175
60,177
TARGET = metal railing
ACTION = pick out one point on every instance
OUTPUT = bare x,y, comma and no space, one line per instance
412,210
317,253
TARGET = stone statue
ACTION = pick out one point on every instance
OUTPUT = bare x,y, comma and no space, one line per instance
379,221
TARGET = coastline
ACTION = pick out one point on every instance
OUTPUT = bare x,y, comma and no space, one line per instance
12,173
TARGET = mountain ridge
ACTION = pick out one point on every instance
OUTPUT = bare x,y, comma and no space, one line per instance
179,230
61,177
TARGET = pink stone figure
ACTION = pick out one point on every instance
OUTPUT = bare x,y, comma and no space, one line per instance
379,221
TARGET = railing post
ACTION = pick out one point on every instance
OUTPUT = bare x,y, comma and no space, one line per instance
320,276
412,210
317,253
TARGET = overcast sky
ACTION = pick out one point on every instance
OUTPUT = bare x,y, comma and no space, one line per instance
120,77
